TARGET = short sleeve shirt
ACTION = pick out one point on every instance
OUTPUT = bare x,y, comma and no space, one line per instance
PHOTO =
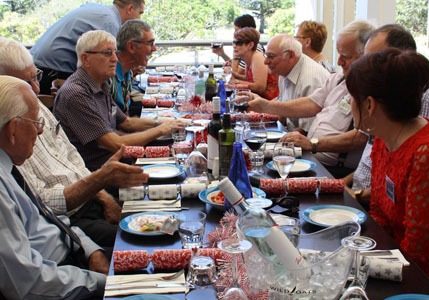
86,113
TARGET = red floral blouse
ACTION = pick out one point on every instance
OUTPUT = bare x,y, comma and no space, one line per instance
272,89
400,194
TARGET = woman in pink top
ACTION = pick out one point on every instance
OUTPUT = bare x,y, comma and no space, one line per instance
257,77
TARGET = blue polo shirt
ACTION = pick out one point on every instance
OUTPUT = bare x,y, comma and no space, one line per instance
56,48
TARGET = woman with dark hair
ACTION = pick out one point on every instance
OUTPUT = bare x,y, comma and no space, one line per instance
387,88
257,77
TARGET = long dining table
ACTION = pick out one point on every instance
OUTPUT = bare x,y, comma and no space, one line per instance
413,281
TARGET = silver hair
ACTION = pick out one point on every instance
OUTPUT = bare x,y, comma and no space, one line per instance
12,103
289,43
131,30
13,56
90,40
361,30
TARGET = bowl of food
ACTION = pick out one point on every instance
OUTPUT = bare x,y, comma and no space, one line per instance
216,198
149,223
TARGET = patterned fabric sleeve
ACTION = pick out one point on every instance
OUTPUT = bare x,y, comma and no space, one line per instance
416,220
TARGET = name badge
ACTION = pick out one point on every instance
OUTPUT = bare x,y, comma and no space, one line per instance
390,189
344,105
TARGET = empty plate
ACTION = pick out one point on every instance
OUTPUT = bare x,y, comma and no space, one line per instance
331,215
161,171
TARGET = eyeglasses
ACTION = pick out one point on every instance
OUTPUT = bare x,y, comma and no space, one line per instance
300,37
36,78
271,56
106,53
39,123
150,43
239,42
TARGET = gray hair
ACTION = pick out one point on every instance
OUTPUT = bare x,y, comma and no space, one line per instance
12,103
360,30
122,3
131,30
289,43
13,56
90,40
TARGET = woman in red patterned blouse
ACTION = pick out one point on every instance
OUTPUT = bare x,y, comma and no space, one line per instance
386,88
258,77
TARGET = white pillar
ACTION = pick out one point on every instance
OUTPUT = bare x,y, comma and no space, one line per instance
378,12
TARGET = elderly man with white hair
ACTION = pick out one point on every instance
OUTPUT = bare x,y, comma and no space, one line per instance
36,252
299,75
87,112
57,173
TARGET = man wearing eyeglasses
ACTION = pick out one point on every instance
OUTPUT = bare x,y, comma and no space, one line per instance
329,104
135,42
87,112
34,252
54,52
56,171
298,74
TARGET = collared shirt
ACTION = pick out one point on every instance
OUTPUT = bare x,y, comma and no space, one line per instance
302,80
56,48
334,118
32,248
86,113
55,164
120,88
362,174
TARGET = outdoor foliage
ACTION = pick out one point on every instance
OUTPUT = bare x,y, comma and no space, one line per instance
412,14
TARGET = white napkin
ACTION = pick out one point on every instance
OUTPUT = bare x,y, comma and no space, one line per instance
269,148
385,269
119,285
148,205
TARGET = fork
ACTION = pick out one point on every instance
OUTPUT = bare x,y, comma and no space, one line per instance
137,278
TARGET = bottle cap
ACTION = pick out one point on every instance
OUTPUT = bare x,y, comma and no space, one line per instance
230,191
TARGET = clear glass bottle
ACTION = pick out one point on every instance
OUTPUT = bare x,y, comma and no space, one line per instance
260,229
200,85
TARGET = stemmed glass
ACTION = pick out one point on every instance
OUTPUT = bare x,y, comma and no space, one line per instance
283,158
196,164
255,136
356,289
234,247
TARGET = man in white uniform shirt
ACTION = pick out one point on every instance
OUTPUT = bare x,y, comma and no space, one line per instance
299,75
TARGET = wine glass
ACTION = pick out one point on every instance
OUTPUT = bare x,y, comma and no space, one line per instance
356,289
196,163
283,158
234,247
239,102
255,136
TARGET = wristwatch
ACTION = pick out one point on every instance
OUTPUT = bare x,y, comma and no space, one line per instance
314,142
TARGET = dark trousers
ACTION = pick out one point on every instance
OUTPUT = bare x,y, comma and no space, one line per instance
50,75
90,218
339,172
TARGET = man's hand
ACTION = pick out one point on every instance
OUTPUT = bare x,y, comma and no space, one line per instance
298,139
257,104
98,262
112,210
166,126
120,174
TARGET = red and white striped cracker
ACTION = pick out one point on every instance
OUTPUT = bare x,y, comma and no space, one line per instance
157,151
273,187
149,102
134,151
302,186
173,259
331,185
165,103
129,260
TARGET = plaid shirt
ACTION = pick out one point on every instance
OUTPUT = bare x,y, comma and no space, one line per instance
55,163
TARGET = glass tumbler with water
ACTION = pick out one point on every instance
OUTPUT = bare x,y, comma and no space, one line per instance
191,228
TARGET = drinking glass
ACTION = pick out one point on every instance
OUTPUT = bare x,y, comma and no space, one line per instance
196,164
239,102
178,133
356,289
283,158
255,136
181,151
191,228
234,247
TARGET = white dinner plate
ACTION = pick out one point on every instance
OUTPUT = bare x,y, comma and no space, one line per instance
274,135
331,215
299,166
161,171
127,223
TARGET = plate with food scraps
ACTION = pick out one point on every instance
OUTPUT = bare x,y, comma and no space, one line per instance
146,223
215,197
331,215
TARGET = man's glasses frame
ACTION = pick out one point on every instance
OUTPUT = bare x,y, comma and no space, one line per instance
36,78
270,56
106,53
150,43
39,123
